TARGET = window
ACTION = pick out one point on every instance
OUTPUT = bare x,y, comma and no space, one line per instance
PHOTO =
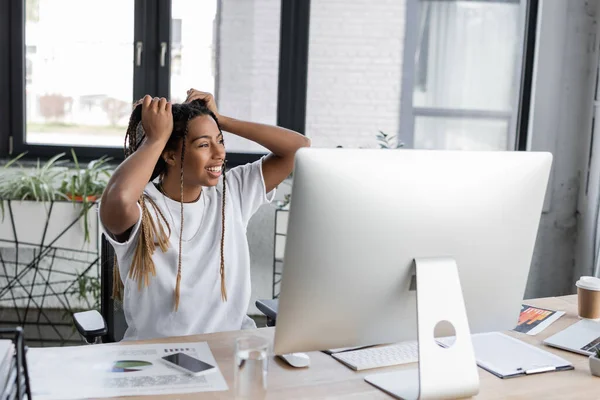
354,71
30,59
248,65
434,74
192,42
78,86
467,75
79,75
176,58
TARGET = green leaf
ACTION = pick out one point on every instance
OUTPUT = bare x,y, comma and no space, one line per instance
14,160
75,158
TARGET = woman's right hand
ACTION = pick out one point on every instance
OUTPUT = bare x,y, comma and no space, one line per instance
157,118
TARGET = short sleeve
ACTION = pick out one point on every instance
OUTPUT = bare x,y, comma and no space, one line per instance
123,250
246,185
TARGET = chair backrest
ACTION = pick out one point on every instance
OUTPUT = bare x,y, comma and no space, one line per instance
111,310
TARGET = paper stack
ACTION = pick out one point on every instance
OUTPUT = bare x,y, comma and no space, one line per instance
8,370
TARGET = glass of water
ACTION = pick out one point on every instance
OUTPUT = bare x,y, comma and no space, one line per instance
251,367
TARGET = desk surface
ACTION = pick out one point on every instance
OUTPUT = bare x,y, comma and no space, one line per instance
328,378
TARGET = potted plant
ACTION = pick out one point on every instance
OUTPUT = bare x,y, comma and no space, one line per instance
36,183
46,201
28,193
595,363
51,226
85,185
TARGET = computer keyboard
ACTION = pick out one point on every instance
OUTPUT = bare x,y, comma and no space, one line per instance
383,356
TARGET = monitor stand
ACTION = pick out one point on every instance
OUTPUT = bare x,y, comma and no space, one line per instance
442,373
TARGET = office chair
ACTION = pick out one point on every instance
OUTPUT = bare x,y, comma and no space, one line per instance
269,308
109,325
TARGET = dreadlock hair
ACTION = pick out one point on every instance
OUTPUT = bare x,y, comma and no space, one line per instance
142,265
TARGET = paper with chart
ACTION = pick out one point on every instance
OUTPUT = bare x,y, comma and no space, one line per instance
117,370
533,320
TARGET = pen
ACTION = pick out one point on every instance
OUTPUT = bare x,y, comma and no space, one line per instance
539,370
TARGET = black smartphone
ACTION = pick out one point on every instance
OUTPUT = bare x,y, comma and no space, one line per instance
186,363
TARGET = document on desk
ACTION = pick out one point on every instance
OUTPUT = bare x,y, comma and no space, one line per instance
116,370
507,357
533,320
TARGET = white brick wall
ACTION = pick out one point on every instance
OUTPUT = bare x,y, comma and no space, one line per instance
354,71
249,64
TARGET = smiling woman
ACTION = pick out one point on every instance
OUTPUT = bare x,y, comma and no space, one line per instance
173,191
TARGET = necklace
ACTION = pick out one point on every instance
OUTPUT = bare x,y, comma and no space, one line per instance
160,188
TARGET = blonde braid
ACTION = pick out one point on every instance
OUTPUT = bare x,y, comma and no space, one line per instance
178,280
142,265
222,268
117,287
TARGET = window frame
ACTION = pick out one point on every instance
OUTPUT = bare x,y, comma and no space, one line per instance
5,66
517,119
17,49
293,66
150,77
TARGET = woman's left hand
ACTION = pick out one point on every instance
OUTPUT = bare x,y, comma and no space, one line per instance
194,94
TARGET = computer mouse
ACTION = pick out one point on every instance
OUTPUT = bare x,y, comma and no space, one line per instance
296,360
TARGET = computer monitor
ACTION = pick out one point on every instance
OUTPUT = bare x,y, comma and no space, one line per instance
359,218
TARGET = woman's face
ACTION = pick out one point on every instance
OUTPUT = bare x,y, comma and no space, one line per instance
204,154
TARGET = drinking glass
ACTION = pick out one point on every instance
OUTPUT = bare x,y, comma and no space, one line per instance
251,367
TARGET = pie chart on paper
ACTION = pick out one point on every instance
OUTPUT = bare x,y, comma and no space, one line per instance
130,366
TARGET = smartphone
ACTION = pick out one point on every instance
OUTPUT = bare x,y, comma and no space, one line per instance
186,363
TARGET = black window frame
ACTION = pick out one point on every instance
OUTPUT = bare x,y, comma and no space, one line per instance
293,66
151,77
524,107
5,110
17,52
413,77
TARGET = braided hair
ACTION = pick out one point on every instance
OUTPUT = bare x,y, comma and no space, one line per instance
142,265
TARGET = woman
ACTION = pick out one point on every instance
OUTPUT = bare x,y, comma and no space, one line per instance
172,192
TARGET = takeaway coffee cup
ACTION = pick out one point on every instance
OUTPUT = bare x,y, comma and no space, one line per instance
588,297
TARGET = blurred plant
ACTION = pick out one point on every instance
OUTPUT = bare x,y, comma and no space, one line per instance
54,181
286,200
86,287
85,185
37,183
89,286
386,141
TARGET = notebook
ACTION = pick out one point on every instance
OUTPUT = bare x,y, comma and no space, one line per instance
583,337
507,357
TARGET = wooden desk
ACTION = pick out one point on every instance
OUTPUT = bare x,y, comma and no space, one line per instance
327,378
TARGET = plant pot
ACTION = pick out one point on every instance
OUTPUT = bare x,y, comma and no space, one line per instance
90,199
33,220
595,365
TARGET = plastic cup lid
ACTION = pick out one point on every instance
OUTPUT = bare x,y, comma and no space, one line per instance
589,283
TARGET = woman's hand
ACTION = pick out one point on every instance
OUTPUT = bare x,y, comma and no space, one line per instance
208,98
157,118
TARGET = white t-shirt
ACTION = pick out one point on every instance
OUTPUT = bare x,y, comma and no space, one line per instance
150,311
